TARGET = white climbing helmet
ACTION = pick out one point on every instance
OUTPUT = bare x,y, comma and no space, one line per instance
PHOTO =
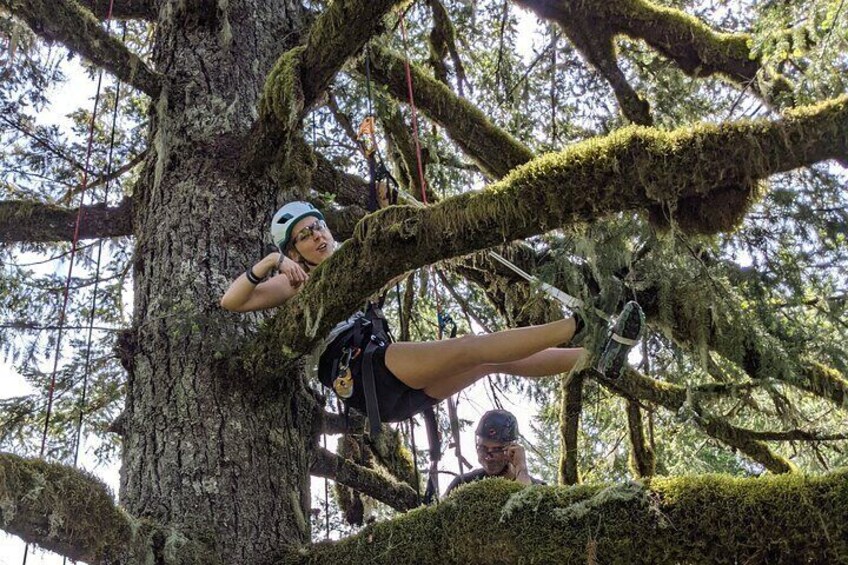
287,216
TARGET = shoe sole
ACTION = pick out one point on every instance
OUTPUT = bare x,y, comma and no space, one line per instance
629,326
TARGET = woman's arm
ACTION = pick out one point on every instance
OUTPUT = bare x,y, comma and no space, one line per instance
244,296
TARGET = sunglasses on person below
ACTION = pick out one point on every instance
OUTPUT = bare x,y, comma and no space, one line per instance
308,231
493,452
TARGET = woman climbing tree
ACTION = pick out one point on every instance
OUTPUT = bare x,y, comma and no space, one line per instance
406,377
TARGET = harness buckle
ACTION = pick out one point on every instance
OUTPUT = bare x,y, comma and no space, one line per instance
343,384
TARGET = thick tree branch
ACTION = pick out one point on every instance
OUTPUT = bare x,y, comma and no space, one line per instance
399,496
596,42
301,75
628,170
442,41
332,423
406,159
22,220
493,149
78,30
497,521
122,9
72,513
696,48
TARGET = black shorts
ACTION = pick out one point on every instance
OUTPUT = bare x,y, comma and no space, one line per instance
397,400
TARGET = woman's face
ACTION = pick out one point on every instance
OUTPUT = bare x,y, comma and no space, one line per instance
313,240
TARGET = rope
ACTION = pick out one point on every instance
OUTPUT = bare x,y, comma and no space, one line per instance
66,293
87,368
566,299
414,111
571,302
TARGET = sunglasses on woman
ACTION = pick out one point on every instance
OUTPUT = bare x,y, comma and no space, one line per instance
308,231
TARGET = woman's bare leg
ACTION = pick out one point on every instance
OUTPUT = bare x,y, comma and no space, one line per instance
423,364
551,361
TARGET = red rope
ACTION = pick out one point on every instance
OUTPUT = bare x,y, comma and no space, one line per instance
414,112
66,293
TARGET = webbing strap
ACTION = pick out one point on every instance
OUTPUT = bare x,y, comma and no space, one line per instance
624,340
369,389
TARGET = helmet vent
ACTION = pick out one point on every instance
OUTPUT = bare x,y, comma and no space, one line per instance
285,218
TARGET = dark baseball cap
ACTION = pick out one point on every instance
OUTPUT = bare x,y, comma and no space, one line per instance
498,425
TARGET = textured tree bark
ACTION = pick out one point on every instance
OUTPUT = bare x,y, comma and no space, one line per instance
224,455
642,459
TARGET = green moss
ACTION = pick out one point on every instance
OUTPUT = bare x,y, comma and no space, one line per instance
700,519
825,381
60,508
282,96
631,169
73,513
393,455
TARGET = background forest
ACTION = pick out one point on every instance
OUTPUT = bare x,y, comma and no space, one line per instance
743,368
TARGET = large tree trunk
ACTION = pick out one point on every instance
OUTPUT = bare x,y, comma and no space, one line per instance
222,456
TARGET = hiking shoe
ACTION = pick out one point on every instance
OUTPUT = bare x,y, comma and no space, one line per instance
623,336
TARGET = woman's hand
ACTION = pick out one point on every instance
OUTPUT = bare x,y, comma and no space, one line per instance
291,269
246,296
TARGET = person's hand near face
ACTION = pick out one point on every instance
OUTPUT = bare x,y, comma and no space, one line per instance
292,270
518,463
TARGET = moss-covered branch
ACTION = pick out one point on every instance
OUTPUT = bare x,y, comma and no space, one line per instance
72,513
21,220
632,169
301,75
571,408
400,137
642,458
80,31
390,452
399,496
122,9
493,149
699,519
675,398
695,47
442,42
823,381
